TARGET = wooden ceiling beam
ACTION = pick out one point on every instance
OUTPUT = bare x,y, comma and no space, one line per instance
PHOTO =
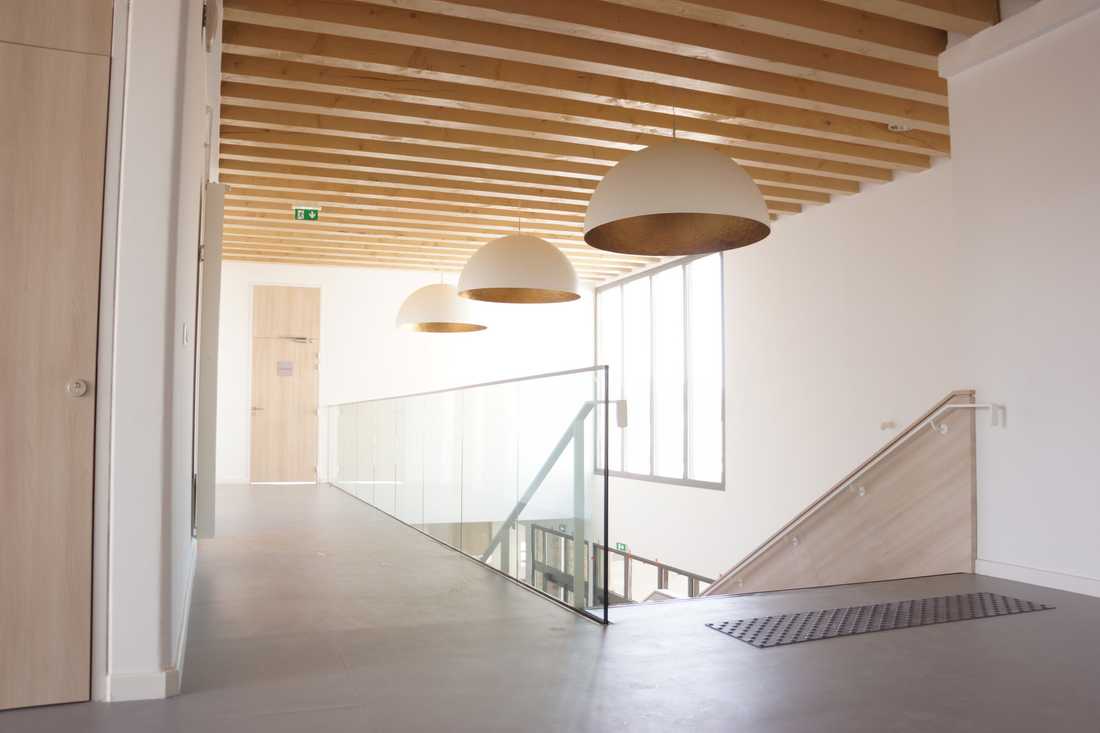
840,107
389,207
348,261
330,162
372,164
746,145
372,263
391,227
251,233
477,227
386,112
280,120
276,139
450,250
468,204
957,16
506,195
676,34
588,86
825,24
375,256
443,255
503,216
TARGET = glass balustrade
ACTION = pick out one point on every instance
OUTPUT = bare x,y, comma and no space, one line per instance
486,469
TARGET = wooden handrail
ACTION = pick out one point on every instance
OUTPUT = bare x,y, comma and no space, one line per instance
908,432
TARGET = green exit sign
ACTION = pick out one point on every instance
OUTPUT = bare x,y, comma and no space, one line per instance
306,213
621,546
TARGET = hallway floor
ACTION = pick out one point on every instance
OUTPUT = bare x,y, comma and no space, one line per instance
313,612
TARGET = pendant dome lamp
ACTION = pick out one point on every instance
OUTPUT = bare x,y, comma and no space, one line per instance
675,198
437,309
519,268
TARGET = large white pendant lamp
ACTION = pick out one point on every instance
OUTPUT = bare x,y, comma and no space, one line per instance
519,268
675,198
437,309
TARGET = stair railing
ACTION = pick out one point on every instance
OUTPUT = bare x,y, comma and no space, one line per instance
933,420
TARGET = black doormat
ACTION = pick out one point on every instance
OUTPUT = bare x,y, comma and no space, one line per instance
792,628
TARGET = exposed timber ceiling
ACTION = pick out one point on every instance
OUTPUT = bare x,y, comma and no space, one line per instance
424,128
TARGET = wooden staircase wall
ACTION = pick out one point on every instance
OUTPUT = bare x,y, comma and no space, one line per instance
908,510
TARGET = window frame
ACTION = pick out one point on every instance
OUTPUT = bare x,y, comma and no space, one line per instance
681,262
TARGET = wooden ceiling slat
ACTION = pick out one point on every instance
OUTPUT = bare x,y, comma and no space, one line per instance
768,91
384,257
746,145
449,250
505,194
388,209
270,119
425,128
469,204
450,66
958,16
482,230
359,261
275,139
386,112
821,23
659,31
280,228
370,164
393,227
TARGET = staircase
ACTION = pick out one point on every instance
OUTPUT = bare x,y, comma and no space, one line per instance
908,510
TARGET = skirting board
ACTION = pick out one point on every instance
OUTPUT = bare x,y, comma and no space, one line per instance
167,682
1035,576
141,686
175,675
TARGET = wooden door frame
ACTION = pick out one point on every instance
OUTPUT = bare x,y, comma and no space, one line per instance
252,285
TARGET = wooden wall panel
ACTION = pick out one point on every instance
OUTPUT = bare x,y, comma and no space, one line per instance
908,515
67,25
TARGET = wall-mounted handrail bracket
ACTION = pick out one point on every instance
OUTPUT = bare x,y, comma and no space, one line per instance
997,415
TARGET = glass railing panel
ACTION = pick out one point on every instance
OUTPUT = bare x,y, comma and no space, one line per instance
344,467
558,450
364,481
490,438
409,421
384,426
505,472
441,428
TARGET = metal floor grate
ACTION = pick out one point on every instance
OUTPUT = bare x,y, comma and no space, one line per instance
792,628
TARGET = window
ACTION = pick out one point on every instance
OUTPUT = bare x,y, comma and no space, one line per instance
660,333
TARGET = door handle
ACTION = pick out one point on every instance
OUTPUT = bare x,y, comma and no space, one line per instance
257,409
76,388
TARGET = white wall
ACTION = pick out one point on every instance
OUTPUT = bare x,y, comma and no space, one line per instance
162,167
1025,113
842,319
363,355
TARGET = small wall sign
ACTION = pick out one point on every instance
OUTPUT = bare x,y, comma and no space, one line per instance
621,547
306,213
284,368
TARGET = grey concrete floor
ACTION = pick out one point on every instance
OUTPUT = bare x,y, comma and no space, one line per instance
313,612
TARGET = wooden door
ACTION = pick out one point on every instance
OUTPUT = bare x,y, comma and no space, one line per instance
53,122
286,324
